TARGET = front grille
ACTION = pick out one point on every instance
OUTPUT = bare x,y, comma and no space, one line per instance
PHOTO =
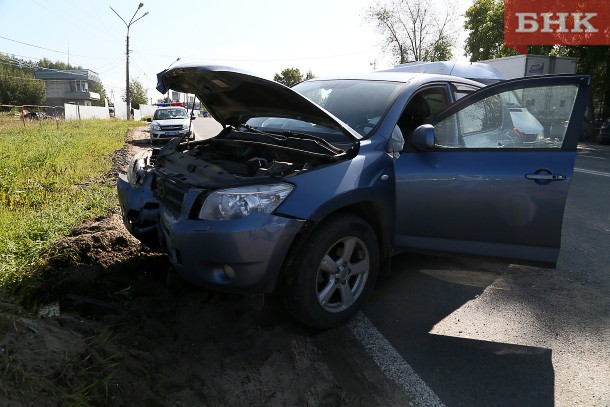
170,194
172,127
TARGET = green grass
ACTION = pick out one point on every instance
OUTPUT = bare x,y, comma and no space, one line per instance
51,179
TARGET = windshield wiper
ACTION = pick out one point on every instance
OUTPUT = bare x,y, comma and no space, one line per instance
261,132
286,134
317,139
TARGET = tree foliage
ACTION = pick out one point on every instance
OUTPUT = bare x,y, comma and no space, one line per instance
97,87
485,21
17,83
59,65
137,94
413,30
292,76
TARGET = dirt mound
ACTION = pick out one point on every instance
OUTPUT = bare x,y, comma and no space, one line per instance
111,331
101,241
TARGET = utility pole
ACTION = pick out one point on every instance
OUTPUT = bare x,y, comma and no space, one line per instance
169,66
127,93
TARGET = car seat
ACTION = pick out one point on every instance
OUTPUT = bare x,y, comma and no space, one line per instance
415,114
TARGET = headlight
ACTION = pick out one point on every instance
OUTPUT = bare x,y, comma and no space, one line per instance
137,168
155,127
185,127
237,203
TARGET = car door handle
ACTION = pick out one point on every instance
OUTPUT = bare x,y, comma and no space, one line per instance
544,176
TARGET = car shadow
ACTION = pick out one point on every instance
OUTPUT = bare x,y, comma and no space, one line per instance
416,296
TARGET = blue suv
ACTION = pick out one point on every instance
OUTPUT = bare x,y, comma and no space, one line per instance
310,190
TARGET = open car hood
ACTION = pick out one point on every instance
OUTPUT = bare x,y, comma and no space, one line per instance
233,96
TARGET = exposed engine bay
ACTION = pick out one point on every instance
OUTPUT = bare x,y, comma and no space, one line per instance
238,157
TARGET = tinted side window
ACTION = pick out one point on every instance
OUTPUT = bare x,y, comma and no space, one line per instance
421,107
460,90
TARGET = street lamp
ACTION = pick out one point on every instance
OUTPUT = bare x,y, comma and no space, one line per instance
127,95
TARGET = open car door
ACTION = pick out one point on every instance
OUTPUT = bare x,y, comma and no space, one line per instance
489,175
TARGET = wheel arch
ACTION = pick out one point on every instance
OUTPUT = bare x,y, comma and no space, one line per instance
371,212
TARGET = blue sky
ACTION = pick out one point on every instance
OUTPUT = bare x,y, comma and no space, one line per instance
263,37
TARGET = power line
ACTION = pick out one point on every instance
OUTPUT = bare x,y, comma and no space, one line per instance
53,9
20,64
50,49
35,46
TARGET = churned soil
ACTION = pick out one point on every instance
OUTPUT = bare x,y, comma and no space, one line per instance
110,325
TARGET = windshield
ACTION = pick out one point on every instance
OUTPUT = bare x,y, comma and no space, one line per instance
359,103
165,114
285,126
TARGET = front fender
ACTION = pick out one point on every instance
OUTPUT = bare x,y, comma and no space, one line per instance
319,193
140,210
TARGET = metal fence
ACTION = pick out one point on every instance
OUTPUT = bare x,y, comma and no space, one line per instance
28,113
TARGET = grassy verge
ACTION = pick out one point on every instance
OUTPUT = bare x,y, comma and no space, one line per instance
51,179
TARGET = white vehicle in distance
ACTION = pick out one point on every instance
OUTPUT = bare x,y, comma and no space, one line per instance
169,122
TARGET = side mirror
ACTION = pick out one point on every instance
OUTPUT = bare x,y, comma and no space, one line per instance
192,116
422,138
149,119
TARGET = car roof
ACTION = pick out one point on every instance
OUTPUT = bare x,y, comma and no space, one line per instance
477,71
397,76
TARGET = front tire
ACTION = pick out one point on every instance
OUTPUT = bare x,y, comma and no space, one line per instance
333,273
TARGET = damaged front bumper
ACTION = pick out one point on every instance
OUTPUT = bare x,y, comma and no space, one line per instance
140,210
244,255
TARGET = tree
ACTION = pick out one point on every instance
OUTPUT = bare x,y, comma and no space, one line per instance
59,65
309,75
17,83
412,30
485,21
97,87
137,94
289,76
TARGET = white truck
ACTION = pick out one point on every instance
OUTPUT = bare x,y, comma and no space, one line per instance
519,66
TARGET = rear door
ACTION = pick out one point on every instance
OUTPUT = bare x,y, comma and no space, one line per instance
496,181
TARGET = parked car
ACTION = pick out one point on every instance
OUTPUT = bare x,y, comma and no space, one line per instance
170,122
310,190
604,132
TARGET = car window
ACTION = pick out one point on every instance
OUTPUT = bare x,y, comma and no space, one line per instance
166,114
460,90
359,103
282,125
422,105
527,118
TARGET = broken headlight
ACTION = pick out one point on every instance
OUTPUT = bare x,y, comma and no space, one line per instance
138,167
237,203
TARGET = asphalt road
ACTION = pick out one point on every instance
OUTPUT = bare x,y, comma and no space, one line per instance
460,332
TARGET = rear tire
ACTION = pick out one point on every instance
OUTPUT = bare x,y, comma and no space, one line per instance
333,272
